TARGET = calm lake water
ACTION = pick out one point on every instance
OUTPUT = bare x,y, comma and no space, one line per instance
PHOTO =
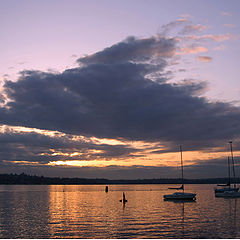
80,211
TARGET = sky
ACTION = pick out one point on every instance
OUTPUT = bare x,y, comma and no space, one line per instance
111,89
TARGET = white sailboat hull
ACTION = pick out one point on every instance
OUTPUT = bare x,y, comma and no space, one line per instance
180,196
221,190
228,194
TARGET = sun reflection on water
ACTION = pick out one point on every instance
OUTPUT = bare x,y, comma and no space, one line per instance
87,211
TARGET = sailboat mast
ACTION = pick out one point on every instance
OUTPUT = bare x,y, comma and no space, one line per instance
233,164
182,167
229,177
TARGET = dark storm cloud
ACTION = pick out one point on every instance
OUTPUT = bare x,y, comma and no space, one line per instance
2,99
133,49
40,148
112,95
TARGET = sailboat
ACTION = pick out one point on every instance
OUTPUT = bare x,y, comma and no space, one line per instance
180,195
227,187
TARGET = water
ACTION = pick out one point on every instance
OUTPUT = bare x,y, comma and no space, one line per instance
77,211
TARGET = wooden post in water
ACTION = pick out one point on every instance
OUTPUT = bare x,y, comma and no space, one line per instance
124,200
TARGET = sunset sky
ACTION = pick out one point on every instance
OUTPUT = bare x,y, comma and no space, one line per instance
111,89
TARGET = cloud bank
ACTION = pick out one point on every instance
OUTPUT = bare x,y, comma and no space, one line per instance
122,92
112,95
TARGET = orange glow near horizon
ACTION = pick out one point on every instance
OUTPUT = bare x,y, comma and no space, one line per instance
144,154
166,159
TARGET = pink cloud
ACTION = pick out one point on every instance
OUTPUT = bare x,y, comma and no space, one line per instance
204,58
193,50
193,28
216,37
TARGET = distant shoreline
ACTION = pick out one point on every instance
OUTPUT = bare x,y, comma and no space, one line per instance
24,179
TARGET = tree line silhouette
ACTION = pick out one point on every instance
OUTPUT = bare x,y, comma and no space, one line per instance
41,180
